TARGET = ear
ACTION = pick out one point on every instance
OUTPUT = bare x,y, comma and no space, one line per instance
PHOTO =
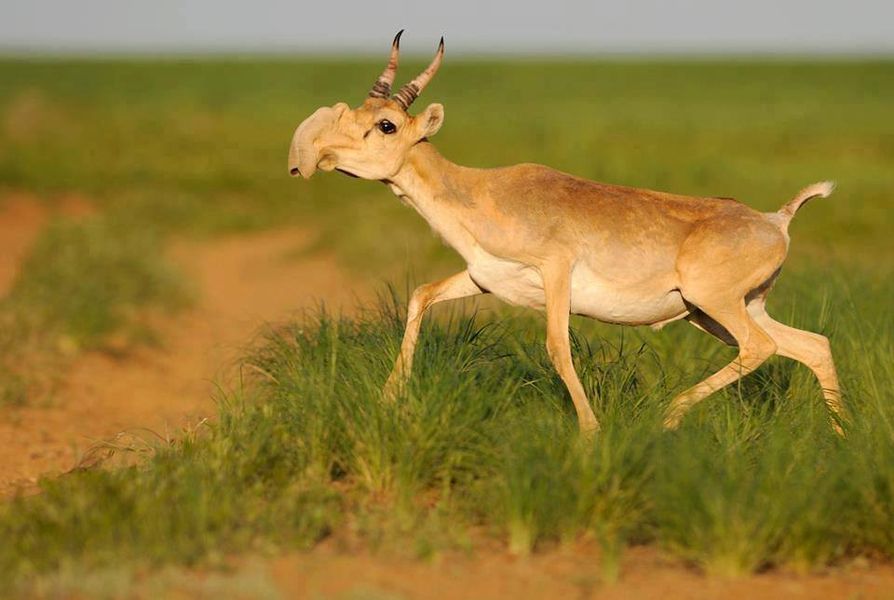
429,121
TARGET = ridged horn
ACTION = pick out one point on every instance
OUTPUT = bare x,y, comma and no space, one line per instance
382,87
408,93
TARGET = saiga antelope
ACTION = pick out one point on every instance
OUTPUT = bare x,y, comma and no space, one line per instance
536,237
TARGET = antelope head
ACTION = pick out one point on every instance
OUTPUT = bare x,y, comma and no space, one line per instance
372,140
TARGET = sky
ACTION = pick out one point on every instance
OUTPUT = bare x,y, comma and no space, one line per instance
470,26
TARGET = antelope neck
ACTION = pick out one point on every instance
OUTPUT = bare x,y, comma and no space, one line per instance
427,178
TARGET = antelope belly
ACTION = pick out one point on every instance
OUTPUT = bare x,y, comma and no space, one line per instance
642,303
510,281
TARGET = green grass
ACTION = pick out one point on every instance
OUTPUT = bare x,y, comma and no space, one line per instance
485,442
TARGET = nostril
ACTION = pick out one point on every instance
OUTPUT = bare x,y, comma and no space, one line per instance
294,171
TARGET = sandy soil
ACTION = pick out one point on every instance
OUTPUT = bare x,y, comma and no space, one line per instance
249,280
568,573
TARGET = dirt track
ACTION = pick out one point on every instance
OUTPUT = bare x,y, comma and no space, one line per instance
243,282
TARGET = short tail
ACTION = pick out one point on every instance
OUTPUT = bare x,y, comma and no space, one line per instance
822,189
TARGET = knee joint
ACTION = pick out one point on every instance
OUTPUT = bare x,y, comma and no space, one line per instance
764,349
559,353
825,347
759,349
822,355
419,302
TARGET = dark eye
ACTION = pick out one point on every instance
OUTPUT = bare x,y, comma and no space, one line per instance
387,127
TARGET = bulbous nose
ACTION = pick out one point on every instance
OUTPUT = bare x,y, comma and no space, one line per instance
294,172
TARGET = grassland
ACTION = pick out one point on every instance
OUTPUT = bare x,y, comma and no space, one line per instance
484,440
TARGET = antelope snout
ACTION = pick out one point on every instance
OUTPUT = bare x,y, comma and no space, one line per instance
304,152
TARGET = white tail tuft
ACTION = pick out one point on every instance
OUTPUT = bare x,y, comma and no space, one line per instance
822,189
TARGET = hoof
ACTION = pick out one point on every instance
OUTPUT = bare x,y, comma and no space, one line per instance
671,422
674,413
836,427
392,389
588,432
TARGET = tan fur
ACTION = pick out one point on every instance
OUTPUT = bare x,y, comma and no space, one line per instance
544,239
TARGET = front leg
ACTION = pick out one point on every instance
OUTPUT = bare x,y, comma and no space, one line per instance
557,288
423,298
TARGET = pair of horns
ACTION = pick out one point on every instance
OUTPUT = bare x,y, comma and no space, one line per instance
408,93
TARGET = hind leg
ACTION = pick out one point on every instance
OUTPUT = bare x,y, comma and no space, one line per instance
811,349
721,262
755,346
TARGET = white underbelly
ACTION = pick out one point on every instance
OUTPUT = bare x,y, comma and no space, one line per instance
510,281
642,303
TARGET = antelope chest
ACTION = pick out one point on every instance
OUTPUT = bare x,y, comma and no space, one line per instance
626,302
508,280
